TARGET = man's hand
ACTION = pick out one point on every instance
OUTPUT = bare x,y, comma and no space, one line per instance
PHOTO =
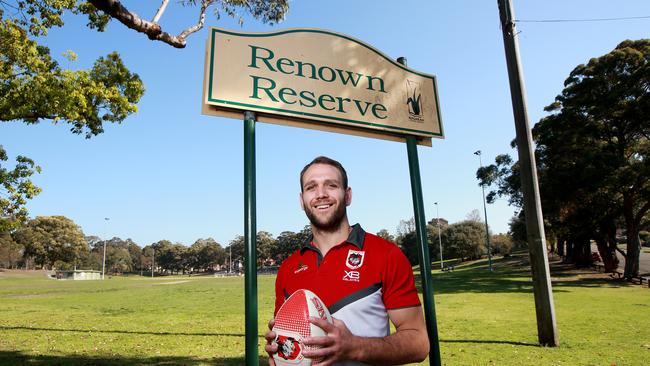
271,347
338,344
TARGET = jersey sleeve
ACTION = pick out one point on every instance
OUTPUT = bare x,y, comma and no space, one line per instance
398,281
279,289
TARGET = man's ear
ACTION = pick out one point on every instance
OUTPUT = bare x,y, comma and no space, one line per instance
348,196
302,205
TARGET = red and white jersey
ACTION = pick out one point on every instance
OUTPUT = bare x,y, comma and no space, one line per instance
358,280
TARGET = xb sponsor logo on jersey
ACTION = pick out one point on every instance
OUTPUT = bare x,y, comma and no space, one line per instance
353,261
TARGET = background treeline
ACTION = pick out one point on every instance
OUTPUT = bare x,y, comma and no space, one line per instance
593,161
57,242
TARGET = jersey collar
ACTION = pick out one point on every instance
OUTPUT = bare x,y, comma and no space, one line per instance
356,238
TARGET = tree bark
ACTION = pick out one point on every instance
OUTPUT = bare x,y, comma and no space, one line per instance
607,254
560,246
633,253
633,242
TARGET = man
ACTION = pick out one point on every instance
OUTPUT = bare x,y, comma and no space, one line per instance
364,280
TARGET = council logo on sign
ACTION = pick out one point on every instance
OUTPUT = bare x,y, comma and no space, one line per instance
414,101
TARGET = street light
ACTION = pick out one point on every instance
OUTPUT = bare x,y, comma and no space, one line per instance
104,258
439,239
487,232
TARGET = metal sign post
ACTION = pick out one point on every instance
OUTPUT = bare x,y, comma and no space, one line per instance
423,248
250,241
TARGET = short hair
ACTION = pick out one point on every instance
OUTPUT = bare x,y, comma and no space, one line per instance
327,161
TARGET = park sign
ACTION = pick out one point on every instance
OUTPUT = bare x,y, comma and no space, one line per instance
318,79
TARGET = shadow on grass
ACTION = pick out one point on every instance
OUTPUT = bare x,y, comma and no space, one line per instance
510,275
123,332
489,342
19,359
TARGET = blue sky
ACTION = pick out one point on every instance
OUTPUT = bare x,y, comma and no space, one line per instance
169,172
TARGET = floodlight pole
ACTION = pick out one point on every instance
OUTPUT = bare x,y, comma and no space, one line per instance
487,230
104,257
423,248
442,266
542,288
250,241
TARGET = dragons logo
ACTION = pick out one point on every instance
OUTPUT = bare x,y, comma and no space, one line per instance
288,348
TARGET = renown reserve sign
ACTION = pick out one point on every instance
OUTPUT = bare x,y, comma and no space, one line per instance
318,79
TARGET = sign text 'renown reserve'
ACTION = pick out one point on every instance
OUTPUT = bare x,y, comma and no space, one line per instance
267,88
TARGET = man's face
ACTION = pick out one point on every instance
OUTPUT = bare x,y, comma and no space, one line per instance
323,197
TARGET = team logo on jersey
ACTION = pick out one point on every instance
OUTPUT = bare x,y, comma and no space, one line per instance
288,348
355,259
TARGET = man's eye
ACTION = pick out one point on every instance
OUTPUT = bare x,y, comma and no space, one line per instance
309,188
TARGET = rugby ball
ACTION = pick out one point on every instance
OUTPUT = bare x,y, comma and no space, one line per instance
292,325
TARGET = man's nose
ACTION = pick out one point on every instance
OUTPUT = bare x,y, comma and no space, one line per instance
321,192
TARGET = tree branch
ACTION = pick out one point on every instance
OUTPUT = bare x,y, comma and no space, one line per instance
160,11
622,252
116,10
198,26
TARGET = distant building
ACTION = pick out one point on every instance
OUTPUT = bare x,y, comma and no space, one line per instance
79,274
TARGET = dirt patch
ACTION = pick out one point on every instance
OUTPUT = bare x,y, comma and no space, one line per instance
172,282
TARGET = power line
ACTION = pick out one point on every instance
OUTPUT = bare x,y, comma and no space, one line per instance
578,20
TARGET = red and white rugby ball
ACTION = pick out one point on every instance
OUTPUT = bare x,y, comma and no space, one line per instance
292,325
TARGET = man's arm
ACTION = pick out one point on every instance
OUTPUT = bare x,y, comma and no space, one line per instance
408,344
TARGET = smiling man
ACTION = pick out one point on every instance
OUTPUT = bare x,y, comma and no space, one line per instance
364,280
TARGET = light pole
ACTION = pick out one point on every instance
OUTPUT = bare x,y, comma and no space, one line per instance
104,257
487,232
153,259
442,264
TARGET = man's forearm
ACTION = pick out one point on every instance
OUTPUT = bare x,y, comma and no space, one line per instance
405,346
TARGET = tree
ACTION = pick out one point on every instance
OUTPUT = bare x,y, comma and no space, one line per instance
161,258
593,157
288,242
206,254
474,215
604,109
265,244
15,189
50,239
100,13
465,240
383,233
501,243
10,251
35,88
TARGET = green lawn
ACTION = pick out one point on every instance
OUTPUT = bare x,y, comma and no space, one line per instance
483,319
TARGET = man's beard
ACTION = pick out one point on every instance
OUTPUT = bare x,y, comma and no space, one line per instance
331,224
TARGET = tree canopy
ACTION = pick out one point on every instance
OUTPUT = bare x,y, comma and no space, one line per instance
52,239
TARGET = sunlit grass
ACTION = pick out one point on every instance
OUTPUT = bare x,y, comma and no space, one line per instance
483,319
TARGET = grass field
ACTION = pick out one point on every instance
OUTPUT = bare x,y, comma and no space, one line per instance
483,319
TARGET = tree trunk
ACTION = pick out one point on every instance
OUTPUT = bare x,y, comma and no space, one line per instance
570,251
582,252
633,253
607,254
633,242
560,246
